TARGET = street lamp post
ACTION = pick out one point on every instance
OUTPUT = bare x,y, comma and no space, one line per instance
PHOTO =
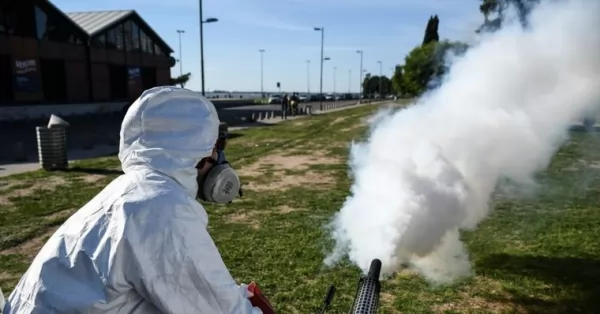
334,80
308,78
380,79
360,83
349,81
202,21
322,30
262,92
179,32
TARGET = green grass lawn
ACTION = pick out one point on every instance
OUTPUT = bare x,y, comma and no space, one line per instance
533,255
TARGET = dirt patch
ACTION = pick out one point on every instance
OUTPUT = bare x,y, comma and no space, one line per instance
21,189
339,120
474,304
92,178
245,218
31,247
287,209
352,128
299,122
288,162
288,171
594,165
257,143
471,300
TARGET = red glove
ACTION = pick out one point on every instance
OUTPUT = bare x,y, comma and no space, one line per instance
259,300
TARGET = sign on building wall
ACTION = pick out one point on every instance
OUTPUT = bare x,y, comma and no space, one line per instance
135,82
26,75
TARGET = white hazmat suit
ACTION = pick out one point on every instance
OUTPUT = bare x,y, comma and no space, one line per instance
141,245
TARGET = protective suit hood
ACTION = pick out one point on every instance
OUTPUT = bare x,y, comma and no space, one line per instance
169,130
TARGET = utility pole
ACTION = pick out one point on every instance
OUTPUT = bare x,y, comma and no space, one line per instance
380,79
349,81
308,78
322,30
360,76
202,21
262,92
179,32
334,80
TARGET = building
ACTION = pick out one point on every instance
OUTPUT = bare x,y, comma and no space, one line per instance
51,57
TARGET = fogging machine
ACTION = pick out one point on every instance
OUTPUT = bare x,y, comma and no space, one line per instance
366,300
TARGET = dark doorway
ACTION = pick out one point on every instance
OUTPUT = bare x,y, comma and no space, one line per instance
54,78
6,80
148,78
118,82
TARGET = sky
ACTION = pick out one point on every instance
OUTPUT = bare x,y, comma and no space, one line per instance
386,30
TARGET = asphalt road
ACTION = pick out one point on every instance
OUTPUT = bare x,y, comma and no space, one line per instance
249,110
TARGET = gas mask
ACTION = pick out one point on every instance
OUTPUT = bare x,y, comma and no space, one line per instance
221,183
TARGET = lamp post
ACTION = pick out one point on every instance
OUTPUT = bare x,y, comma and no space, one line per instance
349,81
308,78
262,92
322,30
202,21
334,80
380,79
179,32
360,83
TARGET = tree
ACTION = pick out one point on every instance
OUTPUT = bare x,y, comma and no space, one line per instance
426,65
494,12
366,85
431,31
397,80
181,80
371,85
418,69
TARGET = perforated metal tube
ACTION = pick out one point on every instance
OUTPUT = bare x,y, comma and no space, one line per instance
366,300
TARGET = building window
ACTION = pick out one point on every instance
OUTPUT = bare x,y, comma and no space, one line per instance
99,41
144,41
135,36
120,37
127,36
111,39
41,23
51,27
157,50
150,45
8,19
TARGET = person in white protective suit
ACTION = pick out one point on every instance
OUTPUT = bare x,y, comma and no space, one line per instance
141,245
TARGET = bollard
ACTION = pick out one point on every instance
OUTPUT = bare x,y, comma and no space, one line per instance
253,117
52,147
19,152
272,114
308,110
52,144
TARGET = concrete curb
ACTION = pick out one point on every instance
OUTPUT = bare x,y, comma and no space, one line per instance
273,119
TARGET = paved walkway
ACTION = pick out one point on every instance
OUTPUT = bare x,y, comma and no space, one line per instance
99,151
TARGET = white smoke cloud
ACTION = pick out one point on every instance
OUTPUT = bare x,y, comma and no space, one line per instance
428,171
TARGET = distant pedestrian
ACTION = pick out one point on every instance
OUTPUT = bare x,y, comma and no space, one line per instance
294,104
285,104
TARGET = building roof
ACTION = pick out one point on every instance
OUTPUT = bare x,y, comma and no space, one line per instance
51,6
96,22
